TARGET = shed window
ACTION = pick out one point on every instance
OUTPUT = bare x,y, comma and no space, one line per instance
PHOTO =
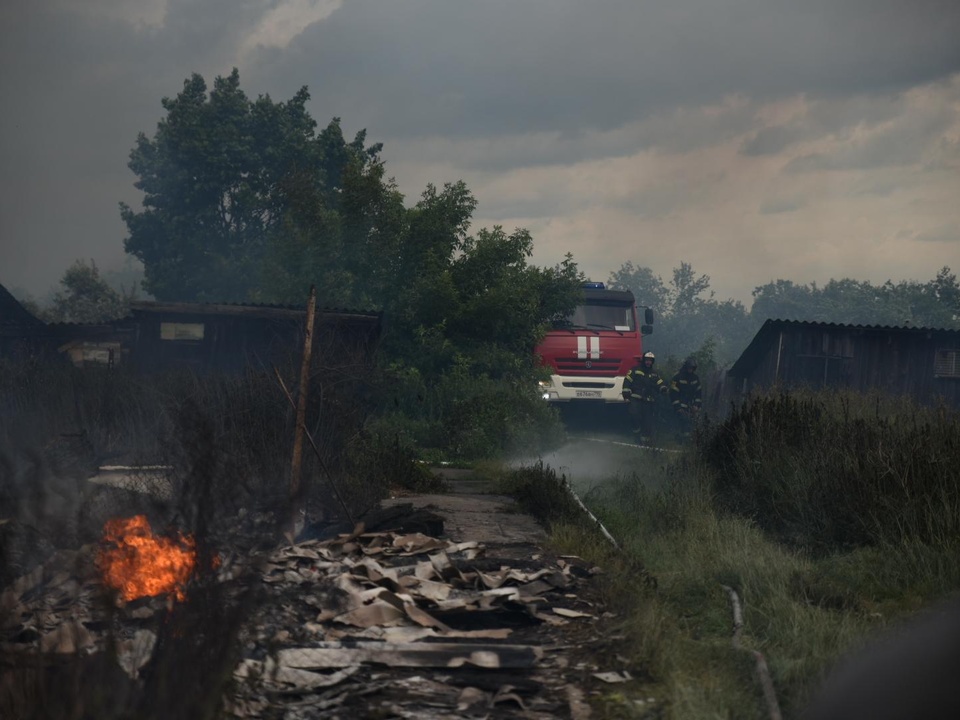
181,331
947,364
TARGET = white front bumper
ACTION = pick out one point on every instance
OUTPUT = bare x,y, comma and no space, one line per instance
569,388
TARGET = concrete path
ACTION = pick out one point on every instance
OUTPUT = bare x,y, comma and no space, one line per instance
472,512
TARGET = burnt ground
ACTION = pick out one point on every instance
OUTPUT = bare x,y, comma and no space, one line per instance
550,643
452,605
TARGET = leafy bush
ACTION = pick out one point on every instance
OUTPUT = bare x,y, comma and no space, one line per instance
464,414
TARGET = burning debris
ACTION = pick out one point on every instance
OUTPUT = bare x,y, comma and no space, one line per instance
139,564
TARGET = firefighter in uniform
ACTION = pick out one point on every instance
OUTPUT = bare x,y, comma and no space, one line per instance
686,396
640,388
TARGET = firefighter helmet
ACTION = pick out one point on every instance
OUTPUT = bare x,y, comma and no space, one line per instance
690,363
649,356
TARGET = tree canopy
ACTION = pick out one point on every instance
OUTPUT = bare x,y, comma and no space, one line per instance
689,318
692,319
219,177
244,201
935,303
85,297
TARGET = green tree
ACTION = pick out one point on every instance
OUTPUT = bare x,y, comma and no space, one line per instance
219,177
451,297
690,319
86,297
243,201
686,288
784,300
462,331
647,287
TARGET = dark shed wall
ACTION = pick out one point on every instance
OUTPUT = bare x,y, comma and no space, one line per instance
232,343
896,360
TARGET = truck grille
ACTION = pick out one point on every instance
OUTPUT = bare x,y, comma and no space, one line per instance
588,384
606,367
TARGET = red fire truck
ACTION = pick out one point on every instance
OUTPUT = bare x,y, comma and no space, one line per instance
592,350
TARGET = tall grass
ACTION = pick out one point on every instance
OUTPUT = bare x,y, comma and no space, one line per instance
826,471
830,515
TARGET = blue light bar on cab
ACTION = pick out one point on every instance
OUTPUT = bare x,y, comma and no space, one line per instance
594,285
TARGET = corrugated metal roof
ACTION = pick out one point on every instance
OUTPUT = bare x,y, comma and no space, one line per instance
108,324
850,326
240,308
754,351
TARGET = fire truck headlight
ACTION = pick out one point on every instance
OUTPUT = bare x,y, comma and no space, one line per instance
546,396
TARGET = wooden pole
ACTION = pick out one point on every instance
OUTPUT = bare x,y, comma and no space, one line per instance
316,450
297,461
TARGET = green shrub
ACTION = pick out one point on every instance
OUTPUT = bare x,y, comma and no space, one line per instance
464,414
544,494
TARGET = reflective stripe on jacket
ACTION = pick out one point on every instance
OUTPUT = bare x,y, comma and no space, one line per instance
643,384
685,391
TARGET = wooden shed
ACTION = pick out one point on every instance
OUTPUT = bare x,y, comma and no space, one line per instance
923,363
230,338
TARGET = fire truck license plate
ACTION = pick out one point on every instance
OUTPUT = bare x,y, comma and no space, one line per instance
589,393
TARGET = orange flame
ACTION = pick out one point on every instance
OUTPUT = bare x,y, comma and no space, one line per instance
140,564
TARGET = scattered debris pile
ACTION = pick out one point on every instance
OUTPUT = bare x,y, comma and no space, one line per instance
413,625
406,623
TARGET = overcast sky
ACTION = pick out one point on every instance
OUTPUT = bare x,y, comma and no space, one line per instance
755,139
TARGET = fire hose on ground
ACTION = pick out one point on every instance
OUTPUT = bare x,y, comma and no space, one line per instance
763,672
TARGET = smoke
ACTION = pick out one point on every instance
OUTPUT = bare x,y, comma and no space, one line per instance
589,463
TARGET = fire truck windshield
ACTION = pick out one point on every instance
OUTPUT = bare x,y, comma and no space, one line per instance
601,317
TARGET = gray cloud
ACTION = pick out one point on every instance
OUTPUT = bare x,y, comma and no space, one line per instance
679,130
86,81
880,185
667,195
770,140
809,163
825,117
905,140
545,205
505,67
495,85
948,233
775,206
